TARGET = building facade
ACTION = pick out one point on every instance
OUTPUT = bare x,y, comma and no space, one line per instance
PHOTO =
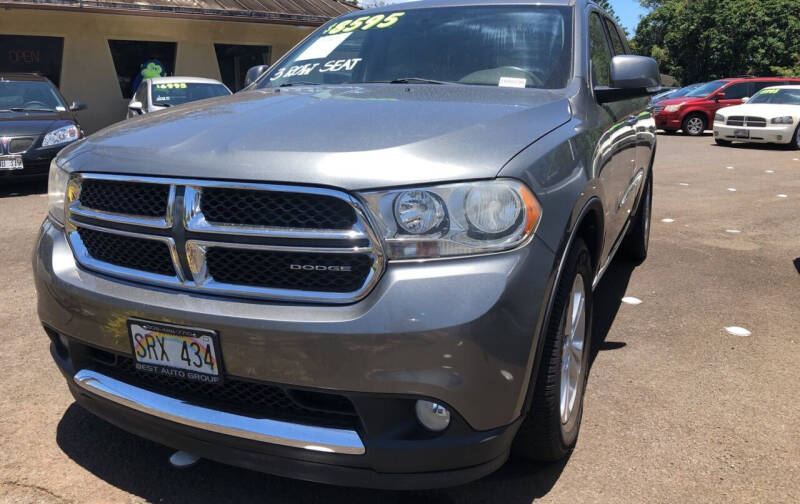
96,52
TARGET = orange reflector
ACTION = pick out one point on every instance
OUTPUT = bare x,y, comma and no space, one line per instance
532,209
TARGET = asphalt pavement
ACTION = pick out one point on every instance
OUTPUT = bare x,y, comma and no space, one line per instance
692,397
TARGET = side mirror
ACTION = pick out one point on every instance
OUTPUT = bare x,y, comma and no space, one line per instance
135,106
745,99
254,73
631,77
76,106
719,96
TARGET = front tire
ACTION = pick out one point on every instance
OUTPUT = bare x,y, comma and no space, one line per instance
694,125
795,144
550,429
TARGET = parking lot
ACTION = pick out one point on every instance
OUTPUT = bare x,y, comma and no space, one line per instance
678,409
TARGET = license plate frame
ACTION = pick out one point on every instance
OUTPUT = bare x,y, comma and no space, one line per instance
741,133
148,356
11,162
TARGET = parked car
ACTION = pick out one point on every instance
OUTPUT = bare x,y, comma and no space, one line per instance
771,116
665,91
35,123
694,113
376,268
162,92
675,93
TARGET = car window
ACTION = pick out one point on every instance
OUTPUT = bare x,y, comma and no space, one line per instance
141,94
706,89
30,96
599,51
780,96
506,45
176,93
737,91
759,85
616,41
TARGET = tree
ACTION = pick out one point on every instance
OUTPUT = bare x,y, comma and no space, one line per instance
606,6
701,40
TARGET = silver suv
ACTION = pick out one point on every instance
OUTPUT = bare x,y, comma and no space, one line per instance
374,266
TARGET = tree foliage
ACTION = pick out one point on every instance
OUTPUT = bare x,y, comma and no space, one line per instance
701,40
606,6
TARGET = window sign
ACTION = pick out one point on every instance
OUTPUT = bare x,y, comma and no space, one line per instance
30,54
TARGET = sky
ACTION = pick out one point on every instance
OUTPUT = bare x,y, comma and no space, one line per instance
628,12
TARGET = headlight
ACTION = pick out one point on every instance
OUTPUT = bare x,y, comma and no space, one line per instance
673,108
454,219
719,118
56,189
61,135
782,120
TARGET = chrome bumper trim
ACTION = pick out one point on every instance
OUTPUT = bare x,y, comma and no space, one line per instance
323,439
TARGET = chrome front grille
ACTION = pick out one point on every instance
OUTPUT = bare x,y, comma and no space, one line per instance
253,240
752,122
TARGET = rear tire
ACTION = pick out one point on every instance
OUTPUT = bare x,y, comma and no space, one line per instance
723,143
694,125
636,244
550,429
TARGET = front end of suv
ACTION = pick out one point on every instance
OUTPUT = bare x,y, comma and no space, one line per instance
327,354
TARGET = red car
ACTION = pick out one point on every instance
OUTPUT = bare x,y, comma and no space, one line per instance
694,113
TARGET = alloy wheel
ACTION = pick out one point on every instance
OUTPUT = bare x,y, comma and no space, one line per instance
695,125
574,339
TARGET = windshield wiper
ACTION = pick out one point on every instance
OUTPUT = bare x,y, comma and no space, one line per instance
299,83
417,80
163,104
22,109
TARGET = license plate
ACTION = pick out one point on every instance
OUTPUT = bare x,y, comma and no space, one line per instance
741,133
10,162
180,352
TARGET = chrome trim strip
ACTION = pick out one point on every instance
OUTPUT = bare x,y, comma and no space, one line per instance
195,220
83,256
198,279
307,437
196,257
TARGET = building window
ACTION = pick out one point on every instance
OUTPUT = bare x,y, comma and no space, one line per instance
25,53
235,60
135,60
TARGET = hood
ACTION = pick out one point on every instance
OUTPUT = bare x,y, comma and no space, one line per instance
354,137
29,123
767,110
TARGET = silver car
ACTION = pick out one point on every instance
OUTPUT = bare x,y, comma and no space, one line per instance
374,267
162,92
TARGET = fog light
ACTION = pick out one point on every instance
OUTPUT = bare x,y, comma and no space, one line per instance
780,138
433,416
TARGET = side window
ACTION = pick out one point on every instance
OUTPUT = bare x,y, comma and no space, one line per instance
737,91
616,41
599,52
759,85
141,93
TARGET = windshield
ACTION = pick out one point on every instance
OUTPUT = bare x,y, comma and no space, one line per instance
515,46
30,96
176,93
777,96
686,90
706,89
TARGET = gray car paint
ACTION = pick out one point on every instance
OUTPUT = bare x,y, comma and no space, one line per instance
410,335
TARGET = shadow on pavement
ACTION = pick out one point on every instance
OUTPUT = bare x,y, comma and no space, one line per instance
140,467
10,189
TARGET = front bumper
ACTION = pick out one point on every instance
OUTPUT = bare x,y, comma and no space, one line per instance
773,133
462,332
35,164
669,121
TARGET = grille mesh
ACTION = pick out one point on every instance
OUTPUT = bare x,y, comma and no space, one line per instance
19,145
149,200
136,253
241,396
270,269
276,209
